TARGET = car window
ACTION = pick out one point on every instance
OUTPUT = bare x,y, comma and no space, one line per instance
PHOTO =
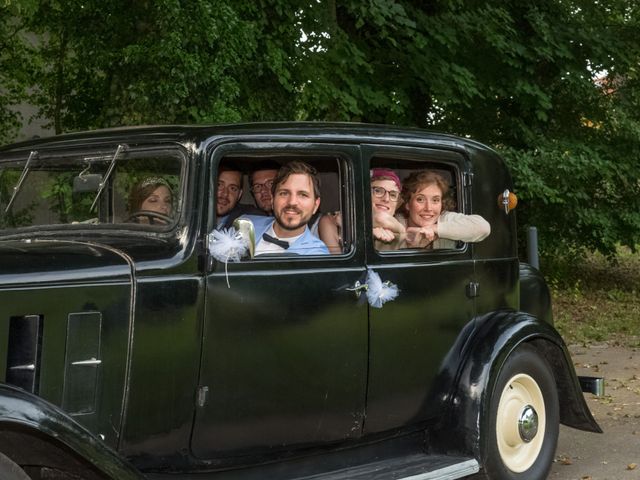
416,206
244,188
111,186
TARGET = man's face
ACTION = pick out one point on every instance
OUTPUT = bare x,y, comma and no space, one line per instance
229,191
261,188
294,203
381,192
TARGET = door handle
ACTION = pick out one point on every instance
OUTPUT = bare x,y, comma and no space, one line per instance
92,362
29,367
358,288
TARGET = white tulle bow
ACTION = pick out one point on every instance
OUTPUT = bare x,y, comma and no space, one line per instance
379,292
227,245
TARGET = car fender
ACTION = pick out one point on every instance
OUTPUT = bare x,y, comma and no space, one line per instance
535,297
494,337
28,419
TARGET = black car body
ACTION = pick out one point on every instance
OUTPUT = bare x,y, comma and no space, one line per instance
128,351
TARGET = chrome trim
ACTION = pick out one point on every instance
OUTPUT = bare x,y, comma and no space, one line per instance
31,367
89,363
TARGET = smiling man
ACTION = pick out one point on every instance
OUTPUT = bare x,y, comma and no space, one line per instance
228,194
296,197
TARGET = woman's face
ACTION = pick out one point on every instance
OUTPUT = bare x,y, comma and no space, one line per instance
158,201
425,206
383,203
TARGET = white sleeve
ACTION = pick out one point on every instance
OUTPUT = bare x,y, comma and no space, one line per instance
467,228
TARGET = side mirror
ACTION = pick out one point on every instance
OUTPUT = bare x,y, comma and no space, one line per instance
246,231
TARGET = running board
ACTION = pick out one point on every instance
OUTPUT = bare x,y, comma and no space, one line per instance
413,467
391,460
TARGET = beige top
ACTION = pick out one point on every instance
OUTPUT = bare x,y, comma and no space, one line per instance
452,227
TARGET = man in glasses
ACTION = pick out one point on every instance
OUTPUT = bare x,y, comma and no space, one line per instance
229,192
388,232
260,183
385,200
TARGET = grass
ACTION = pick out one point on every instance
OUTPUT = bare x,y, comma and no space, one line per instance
596,299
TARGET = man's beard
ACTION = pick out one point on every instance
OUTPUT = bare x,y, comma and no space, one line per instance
304,219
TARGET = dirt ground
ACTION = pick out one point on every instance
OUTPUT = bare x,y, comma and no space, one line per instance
615,454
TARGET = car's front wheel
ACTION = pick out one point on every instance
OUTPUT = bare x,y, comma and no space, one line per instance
523,419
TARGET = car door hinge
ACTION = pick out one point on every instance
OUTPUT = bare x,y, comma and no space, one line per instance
202,396
467,179
473,289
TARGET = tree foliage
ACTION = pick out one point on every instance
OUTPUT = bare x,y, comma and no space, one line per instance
520,76
14,67
114,62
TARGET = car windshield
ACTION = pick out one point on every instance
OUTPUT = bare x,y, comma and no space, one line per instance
117,185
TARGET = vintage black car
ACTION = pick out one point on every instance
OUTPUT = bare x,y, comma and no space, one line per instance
128,350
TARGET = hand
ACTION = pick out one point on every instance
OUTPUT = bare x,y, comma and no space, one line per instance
383,234
420,237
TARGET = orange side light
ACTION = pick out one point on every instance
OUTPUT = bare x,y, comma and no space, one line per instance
507,200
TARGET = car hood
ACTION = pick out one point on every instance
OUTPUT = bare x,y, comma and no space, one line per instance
50,261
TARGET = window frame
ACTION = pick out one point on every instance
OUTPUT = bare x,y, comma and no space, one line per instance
347,157
454,160
84,153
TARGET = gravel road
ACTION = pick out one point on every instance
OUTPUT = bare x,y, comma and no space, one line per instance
615,454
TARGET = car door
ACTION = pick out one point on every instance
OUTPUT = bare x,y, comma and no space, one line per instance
411,335
285,343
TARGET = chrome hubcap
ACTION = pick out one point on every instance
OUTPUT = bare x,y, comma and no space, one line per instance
528,423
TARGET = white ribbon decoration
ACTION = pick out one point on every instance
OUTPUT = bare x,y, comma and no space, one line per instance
379,292
227,245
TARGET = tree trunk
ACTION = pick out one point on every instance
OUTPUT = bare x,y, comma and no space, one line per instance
57,113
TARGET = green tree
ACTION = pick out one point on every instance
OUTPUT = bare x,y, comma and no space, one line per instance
519,76
14,65
119,62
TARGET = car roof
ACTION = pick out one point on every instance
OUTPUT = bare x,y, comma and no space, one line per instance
311,131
